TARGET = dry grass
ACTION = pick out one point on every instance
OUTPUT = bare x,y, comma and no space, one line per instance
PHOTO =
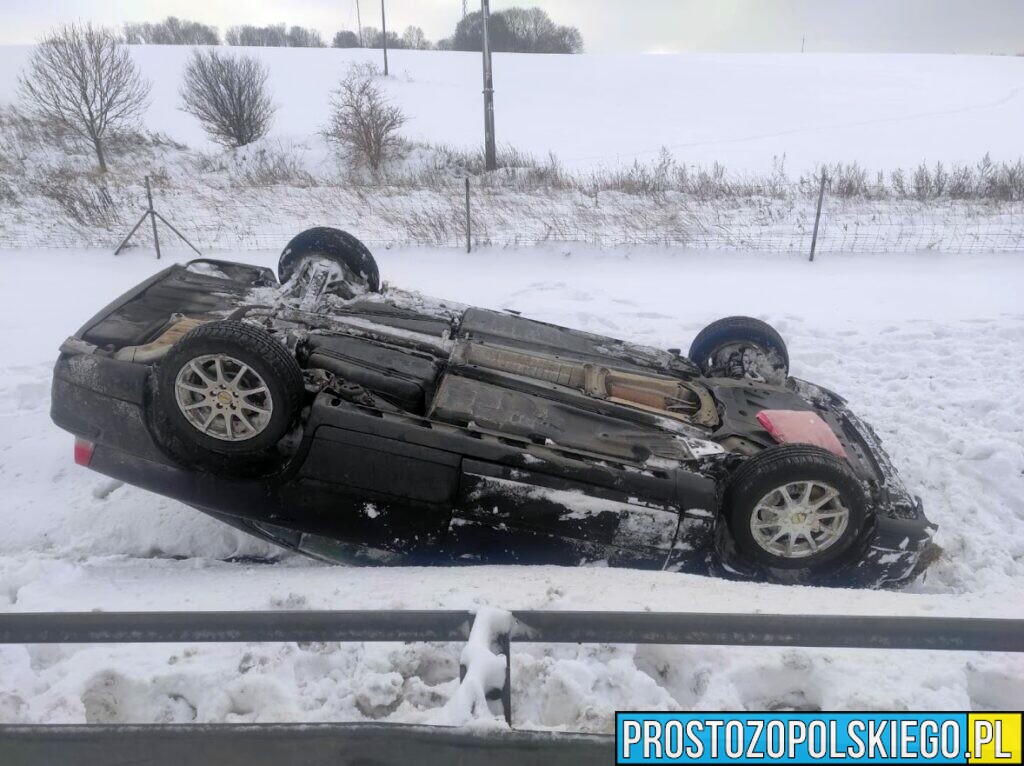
86,200
431,166
264,166
260,195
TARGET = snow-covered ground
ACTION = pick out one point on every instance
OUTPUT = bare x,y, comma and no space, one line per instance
743,110
929,349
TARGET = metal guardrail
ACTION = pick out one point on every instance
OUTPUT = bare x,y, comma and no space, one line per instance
281,744
835,631
698,628
322,744
230,627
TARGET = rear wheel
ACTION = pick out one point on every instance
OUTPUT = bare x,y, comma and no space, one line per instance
228,388
324,243
795,506
741,347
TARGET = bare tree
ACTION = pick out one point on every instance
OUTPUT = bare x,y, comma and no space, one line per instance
345,39
518,30
228,95
83,78
170,31
374,38
414,39
362,120
270,36
274,36
301,37
529,27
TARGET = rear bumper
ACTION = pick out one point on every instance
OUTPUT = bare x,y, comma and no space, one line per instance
102,400
113,419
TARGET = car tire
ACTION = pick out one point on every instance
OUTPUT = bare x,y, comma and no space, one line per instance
334,245
738,332
227,388
816,538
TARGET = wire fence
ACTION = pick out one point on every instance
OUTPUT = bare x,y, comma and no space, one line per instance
779,219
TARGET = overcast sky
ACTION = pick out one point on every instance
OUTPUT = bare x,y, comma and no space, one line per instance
938,26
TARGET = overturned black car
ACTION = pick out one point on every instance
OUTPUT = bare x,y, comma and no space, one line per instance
354,422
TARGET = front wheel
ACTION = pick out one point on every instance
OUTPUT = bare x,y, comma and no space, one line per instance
353,260
795,506
741,347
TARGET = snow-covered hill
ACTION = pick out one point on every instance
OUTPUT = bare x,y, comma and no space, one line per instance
742,110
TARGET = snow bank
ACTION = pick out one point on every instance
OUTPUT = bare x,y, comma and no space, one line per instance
930,350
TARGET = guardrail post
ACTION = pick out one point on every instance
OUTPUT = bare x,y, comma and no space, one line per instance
505,646
484,676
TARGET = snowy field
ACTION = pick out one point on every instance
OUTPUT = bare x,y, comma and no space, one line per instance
743,110
929,349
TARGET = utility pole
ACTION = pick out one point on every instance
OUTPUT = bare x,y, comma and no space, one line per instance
465,10
803,42
359,23
490,151
384,36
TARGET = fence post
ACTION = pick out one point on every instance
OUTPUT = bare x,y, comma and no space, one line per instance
135,228
156,237
817,215
469,223
152,214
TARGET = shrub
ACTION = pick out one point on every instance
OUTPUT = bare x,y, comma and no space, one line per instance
228,95
362,122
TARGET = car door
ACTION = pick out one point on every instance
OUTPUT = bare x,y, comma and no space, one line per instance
504,513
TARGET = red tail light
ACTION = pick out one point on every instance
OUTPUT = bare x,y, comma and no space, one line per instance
83,452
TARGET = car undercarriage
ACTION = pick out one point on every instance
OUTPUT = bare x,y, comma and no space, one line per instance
353,421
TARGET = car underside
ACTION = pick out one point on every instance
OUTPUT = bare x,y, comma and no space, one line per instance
356,422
